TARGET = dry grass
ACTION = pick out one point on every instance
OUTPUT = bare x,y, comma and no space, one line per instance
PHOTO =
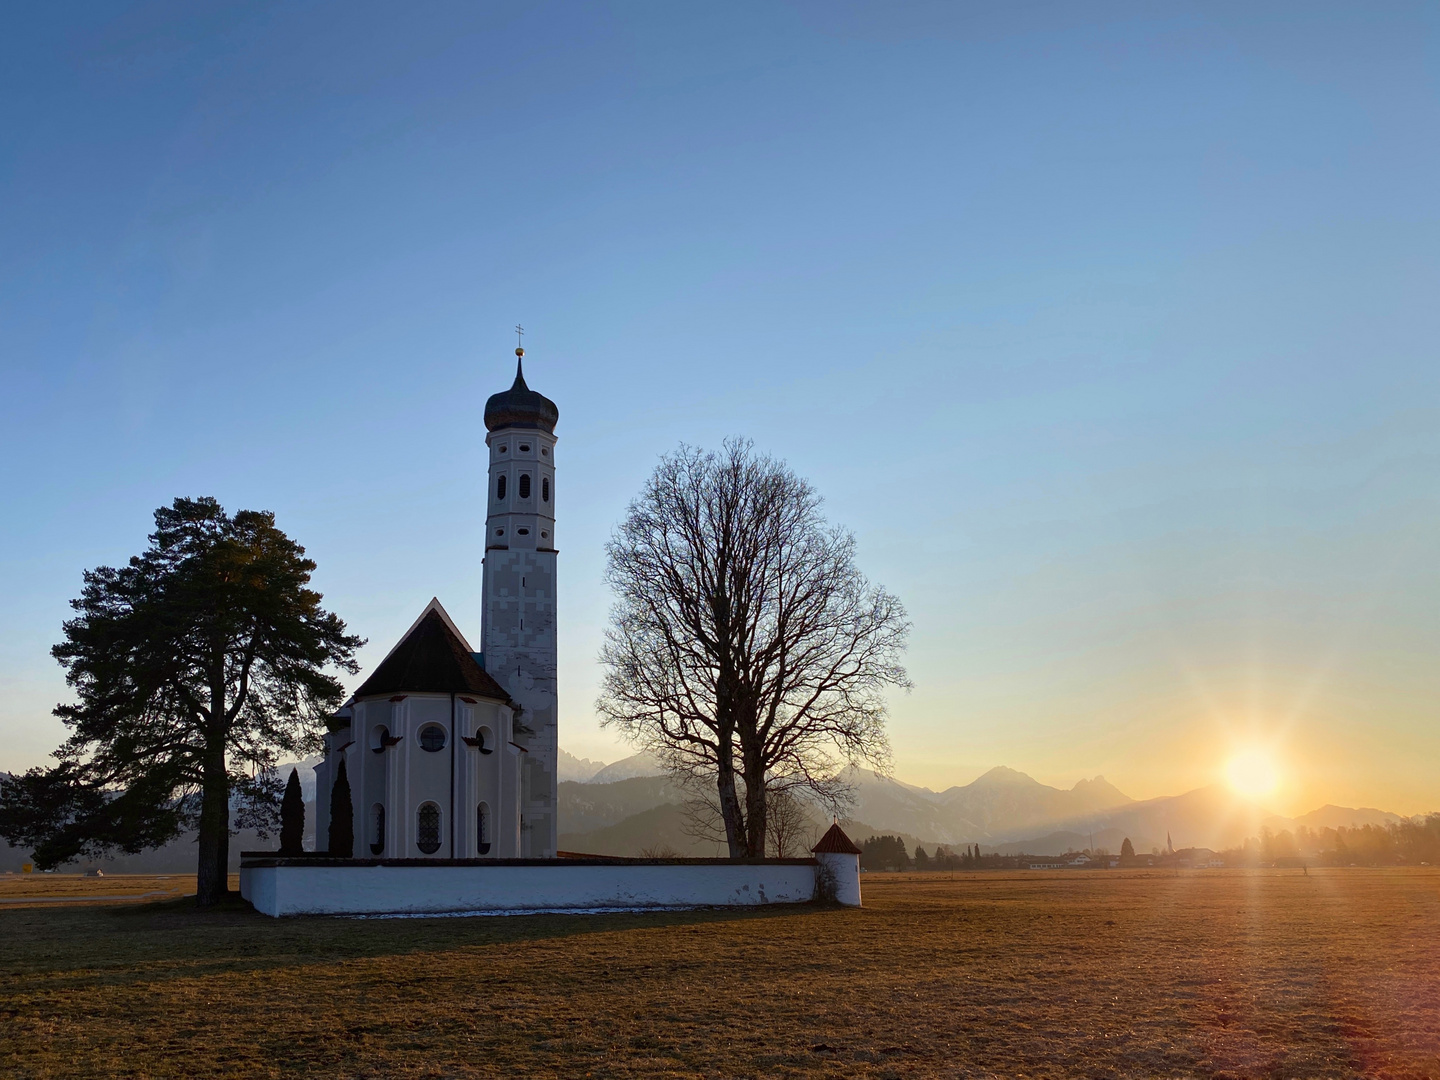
37,890
1093,974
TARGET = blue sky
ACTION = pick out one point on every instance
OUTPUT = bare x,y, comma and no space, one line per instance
1110,331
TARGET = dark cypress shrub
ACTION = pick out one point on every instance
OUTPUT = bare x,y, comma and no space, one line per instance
292,818
342,816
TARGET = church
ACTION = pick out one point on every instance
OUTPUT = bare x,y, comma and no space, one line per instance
450,752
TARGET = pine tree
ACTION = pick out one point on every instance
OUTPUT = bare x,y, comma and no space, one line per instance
1127,849
194,666
292,817
342,817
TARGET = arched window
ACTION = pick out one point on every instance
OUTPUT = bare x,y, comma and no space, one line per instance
485,740
432,738
377,828
500,488
427,829
524,485
378,738
545,489
482,828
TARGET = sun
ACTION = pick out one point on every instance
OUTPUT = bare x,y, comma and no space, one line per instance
1253,773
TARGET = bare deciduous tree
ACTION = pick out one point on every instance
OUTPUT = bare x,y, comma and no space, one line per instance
789,824
746,649
788,827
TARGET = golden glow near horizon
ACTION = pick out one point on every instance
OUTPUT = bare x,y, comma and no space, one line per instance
1253,773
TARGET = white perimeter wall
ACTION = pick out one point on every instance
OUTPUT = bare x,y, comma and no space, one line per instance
560,885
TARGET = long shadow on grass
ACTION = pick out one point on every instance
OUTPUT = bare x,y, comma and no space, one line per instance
60,948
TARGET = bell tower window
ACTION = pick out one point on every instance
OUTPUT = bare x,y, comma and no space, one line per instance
524,485
545,488
500,489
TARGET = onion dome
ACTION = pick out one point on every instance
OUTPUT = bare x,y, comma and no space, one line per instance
521,407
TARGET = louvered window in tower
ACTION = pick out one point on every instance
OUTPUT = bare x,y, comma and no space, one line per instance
500,488
545,489
524,485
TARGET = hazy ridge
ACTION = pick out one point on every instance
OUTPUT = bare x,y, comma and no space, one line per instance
1003,810
627,807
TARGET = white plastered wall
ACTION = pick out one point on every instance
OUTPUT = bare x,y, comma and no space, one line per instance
551,885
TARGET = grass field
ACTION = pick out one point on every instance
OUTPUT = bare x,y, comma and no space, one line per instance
1083,974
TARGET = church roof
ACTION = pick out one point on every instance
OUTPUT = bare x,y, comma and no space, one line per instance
432,657
835,842
520,406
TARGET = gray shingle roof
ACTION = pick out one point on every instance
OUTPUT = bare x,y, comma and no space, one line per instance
431,659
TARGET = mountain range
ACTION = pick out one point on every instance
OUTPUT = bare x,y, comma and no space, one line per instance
628,807
1004,811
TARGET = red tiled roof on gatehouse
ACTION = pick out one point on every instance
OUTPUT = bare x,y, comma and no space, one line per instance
835,842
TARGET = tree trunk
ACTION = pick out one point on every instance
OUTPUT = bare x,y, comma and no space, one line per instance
212,874
730,807
754,809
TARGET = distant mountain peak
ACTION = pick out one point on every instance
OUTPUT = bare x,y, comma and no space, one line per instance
571,767
641,764
1003,774
1101,792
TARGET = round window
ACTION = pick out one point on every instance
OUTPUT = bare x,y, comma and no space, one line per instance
432,738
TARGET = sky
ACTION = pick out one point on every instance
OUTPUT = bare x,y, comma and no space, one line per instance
1109,330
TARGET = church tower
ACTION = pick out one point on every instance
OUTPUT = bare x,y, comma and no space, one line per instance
518,610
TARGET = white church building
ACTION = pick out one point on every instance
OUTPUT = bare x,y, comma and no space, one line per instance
450,753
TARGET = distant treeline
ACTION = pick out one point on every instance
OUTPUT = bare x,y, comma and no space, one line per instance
1401,843
889,853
